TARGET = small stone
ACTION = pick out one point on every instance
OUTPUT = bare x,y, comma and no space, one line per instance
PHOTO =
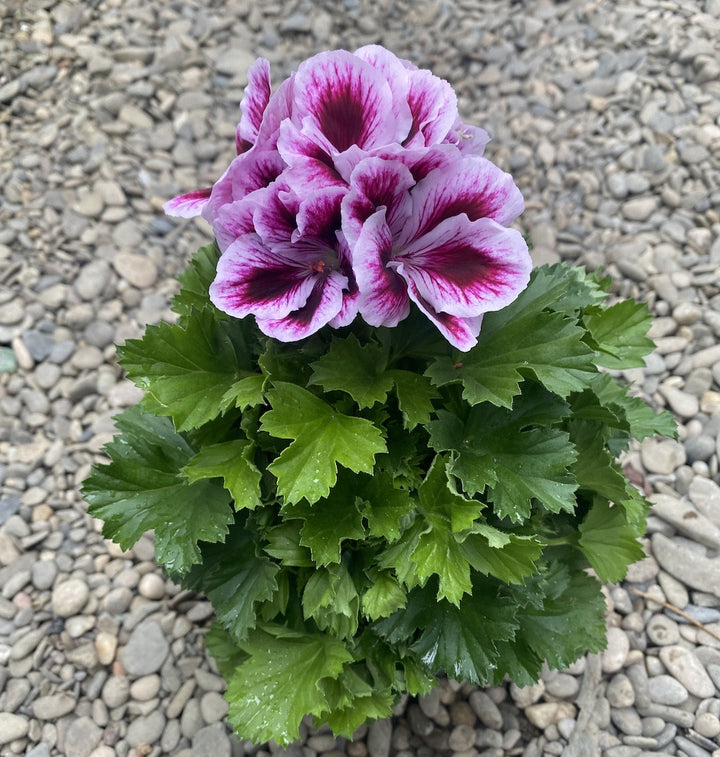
152,586
118,600
115,692
707,724
615,654
562,686
662,456
211,741
213,707
527,695
145,688
683,665
639,208
462,737
664,689
549,713
487,711
135,269
690,567
146,729
662,631
53,706
705,495
627,720
12,727
683,404
69,597
378,738
145,650
620,692
92,280
105,646
82,736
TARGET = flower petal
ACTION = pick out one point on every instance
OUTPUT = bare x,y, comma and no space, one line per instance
310,167
420,160
473,186
274,218
235,219
470,140
248,172
188,205
433,105
383,293
460,332
466,268
348,103
319,216
279,108
376,183
253,279
322,305
253,105
395,73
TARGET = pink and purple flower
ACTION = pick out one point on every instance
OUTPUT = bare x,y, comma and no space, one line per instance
357,190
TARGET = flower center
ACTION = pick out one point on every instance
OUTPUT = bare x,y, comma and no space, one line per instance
318,266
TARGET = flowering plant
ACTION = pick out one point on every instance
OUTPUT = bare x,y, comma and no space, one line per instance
368,486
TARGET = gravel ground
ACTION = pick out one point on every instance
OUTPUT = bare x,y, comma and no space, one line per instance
607,114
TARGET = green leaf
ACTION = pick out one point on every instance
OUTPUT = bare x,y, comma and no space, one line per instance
231,461
597,473
384,506
283,543
618,334
331,600
527,338
322,438
415,395
609,542
235,579
461,640
142,489
437,551
640,419
282,681
224,650
354,701
247,392
441,504
501,451
187,370
511,563
383,597
329,521
358,370
563,616
196,280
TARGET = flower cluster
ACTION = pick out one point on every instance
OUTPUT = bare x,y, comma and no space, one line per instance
356,190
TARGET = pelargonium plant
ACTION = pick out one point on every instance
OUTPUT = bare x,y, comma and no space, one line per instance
381,444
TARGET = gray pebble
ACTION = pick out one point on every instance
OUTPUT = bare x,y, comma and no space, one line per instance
213,707
12,727
211,741
53,706
146,729
69,597
487,711
82,736
620,692
146,649
683,665
662,631
627,720
665,689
